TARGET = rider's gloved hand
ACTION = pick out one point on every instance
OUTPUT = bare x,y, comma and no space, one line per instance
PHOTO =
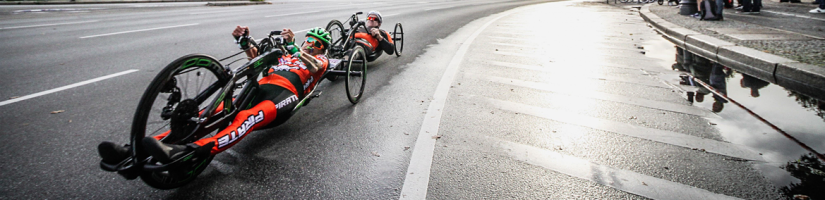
241,31
375,32
288,35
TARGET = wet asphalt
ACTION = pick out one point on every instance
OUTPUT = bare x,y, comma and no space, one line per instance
543,106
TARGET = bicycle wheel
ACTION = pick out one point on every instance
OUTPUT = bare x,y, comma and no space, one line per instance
336,32
178,93
356,74
398,39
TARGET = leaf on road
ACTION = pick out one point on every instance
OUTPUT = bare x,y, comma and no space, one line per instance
375,154
437,137
405,133
406,148
14,97
643,183
58,111
632,117
711,123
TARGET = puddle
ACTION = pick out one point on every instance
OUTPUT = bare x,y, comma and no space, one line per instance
792,168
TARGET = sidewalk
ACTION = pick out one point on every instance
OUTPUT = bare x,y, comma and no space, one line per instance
784,44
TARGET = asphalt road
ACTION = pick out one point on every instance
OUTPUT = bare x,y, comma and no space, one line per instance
486,102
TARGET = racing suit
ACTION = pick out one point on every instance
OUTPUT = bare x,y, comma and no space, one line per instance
280,92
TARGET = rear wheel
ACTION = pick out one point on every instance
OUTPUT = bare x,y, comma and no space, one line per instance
398,39
336,32
356,74
178,93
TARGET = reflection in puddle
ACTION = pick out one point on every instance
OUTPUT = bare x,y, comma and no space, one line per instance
797,114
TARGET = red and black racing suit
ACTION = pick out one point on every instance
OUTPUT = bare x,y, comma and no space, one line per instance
373,46
279,93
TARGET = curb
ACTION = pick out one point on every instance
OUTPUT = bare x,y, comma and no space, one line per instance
806,78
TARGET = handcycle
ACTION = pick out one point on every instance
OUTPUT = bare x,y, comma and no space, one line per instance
196,96
346,39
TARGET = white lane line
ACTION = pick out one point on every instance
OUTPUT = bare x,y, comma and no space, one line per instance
198,13
42,25
282,15
301,31
663,136
141,30
6,102
417,178
625,180
429,9
554,72
679,108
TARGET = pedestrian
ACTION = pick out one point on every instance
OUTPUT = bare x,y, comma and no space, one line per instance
751,6
820,9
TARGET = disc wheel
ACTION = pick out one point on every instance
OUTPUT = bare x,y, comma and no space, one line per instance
398,39
356,74
178,93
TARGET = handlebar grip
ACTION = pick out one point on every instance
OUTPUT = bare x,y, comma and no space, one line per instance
358,13
274,33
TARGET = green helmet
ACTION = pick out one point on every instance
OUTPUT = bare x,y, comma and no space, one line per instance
321,34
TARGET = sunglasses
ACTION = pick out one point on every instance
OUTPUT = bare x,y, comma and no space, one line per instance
373,19
315,43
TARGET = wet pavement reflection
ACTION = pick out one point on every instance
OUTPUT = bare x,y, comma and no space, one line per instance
795,170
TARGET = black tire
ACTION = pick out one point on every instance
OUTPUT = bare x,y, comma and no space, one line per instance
356,74
336,31
149,122
661,2
624,1
398,39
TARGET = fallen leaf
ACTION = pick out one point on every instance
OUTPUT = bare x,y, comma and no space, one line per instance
375,154
70,121
405,133
406,148
58,111
632,117
437,137
14,97
711,123
643,183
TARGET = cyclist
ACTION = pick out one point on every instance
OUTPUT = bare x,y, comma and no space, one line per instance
295,75
378,39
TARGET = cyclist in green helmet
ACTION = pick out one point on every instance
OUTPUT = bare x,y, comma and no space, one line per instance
296,74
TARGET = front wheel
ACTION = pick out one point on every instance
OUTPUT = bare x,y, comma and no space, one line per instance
398,39
356,74
180,92
336,32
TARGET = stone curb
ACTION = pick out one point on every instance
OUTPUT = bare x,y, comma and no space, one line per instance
788,73
111,2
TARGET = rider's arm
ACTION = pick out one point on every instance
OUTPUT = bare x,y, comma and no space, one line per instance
312,63
385,45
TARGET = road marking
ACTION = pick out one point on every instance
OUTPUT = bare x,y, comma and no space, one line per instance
305,30
625,180
554,73
282,15
141,30
417,178
198,13
42,25
663,136
6,102
429,9
679,108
